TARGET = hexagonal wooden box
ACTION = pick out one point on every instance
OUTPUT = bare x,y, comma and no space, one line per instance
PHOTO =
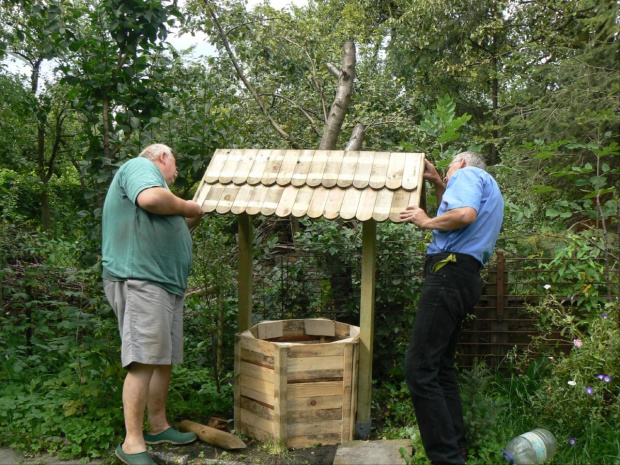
296,381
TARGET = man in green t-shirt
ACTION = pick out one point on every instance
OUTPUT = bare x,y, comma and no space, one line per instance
147,255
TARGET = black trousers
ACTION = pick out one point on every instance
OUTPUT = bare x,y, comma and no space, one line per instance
448,295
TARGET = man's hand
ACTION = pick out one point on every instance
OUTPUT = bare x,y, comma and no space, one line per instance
416,216
431,174
193,210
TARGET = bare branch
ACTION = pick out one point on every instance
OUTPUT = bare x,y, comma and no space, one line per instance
357,137
301,109
246,83
332,69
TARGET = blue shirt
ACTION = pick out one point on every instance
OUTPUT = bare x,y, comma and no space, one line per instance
475,188
138,244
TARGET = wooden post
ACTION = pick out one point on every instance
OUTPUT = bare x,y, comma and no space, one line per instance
367,330
245,272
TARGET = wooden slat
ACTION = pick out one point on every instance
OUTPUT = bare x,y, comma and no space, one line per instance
296,365
366,205
306,429
257,345
244,166
272,200
213,197
414,162
280,393
256,358
257,199
253,420
300,176
201,193
319,327
315,176
273,167
256,408
333,203
270,330
258,167
229,168
255,371
316,416
329,388
228,197
237,381
242,199
401,201
315,350
394,175
215,166
379,170
348,168
264,397
347,381
350,203
314,403
317,203
287,201
255,384
288,167
332,169
363,170
319,375
383,205
302,201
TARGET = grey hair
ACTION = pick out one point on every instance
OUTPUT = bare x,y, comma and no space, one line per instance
472,159
154,150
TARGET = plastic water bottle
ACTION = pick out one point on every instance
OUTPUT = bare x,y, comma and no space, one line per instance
531,448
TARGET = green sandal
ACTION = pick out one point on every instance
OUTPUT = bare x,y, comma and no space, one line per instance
170,436
142,458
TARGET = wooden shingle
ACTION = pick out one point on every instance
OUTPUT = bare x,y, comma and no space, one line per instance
316,183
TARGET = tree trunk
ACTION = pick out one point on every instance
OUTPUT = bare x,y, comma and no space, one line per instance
340,106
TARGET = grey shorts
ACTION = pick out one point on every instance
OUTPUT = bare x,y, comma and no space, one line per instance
150,322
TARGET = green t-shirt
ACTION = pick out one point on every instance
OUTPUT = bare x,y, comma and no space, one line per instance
142,245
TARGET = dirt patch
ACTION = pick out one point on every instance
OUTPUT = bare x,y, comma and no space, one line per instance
200,453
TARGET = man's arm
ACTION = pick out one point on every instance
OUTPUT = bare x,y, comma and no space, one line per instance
161,201
449,221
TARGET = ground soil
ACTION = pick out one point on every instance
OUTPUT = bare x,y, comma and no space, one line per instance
200,453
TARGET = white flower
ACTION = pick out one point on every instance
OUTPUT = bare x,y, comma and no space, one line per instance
547,286
572,383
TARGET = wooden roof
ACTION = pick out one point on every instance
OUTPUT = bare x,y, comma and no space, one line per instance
327,183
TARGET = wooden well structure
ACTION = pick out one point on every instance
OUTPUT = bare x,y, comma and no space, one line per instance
369,187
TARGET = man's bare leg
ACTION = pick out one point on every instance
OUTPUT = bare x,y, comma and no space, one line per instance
135,394
156,402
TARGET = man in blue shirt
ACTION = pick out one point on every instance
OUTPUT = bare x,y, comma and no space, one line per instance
465,230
